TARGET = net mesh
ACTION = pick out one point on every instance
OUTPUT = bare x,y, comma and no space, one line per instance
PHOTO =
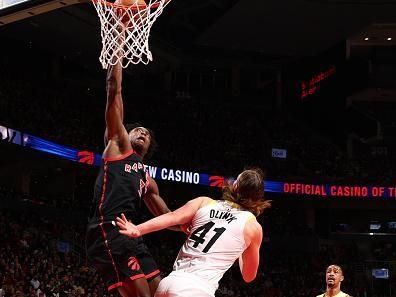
125,31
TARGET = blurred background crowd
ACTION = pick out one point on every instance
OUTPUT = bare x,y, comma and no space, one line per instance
213,112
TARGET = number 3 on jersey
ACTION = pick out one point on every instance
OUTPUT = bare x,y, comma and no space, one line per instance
200,238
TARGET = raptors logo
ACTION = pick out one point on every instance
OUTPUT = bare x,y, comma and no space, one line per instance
133,264
216,181
86,157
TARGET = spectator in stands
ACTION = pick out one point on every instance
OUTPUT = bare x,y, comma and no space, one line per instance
334,278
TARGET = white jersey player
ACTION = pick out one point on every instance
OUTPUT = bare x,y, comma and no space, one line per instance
221,232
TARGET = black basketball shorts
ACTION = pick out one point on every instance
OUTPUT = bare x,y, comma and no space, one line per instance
118,257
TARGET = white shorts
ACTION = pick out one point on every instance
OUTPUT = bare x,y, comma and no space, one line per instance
183,285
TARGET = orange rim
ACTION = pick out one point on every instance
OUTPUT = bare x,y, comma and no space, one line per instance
135,7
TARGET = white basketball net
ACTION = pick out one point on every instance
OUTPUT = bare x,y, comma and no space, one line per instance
125,31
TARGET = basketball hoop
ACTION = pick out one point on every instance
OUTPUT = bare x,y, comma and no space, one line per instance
125,30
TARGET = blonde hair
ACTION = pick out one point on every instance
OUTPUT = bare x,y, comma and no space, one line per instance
248,191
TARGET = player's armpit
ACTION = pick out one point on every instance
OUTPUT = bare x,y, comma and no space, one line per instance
185,228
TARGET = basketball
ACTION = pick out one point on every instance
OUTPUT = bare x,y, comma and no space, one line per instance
131,20
130,2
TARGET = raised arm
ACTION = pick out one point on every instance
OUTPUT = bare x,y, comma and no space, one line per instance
250,259
116,136
180,216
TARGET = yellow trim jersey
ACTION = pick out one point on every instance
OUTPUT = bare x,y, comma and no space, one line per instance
340,294
216,240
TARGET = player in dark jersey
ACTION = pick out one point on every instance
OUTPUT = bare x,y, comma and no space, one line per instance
121,187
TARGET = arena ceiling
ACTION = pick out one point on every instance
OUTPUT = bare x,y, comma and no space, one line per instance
295,27
273,27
